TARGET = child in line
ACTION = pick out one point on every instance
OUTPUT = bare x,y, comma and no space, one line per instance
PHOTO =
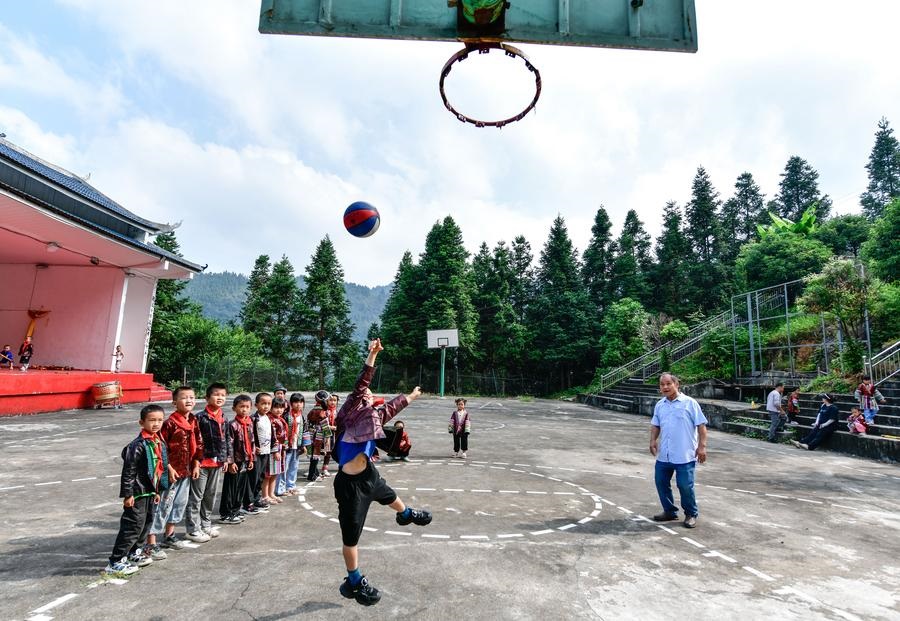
6,357
293,417
460,427
276,456
357,482
793,408
328,428
316,420
264,442
856,423
868,397
212,425
263,403
185,448
26,351
144,476
237,499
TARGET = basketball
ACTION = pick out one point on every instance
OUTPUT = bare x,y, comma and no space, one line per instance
361,219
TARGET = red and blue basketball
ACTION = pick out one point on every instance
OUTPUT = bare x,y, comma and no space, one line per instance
361,219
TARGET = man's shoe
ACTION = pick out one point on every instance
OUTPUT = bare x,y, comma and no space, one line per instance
364,593
173,543
120,568
198,536
690,521
665,517
139,558
420,517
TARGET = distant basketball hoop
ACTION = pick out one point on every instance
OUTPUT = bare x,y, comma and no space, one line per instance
442,339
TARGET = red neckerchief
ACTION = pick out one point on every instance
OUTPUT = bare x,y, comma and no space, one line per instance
157,449
180,421
245,422
216,416
331,413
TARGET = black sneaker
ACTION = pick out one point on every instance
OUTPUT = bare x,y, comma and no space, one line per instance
364,593
420,517
665,517
251,510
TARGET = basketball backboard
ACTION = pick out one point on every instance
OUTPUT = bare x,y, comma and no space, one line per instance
640,24
443,338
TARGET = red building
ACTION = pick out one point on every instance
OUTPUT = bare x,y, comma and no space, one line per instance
78,271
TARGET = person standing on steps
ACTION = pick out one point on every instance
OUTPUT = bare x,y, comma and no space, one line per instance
776,411
678,441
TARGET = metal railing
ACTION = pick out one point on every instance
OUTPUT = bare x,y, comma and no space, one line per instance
648,364
884,365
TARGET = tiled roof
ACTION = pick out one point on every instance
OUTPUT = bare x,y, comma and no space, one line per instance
74,184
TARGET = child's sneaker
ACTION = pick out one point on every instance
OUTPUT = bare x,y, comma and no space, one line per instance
420,517
462,455
173,543
198,536
231,519
251,510
211,531
121,567
139,558
364,593
155,552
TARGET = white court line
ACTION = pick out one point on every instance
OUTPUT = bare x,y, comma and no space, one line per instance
370,529
523,465
514,470
398,533
57,602
481,491
301,498
815,502
715,486
595,513
11,487
642,518
566,527
425,489
405,489
530,492
570,483
589,471
545,467
569,469
624,510
666,528
537,474
696,544
509,491
335,520
585,520
759,574
554,479
834,504
474,537
715,554
84,479
48,483
306,506
453,489
319,514
498,467
542,532
112,476
501,463
745,491
508,535
779,496
429,536
613,474
479,462
563,493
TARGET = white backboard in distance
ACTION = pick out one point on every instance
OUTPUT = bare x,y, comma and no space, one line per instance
443,338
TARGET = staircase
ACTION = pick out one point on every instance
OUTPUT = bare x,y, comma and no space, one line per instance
623,396
885,364
158,392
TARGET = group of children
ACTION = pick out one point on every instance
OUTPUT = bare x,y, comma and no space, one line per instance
26,351
172,471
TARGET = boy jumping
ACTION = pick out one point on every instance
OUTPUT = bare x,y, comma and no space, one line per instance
358,483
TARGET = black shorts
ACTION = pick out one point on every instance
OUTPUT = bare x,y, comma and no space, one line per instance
354,493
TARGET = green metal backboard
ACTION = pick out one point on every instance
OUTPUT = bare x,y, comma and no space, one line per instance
640,24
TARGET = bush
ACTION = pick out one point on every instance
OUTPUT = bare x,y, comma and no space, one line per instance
674,331
832,382
852,357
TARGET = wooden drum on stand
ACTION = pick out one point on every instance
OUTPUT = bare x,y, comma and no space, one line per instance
106,393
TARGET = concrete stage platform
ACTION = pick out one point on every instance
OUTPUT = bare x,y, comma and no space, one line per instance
38,390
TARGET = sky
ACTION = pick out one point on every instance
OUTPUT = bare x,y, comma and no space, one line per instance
184,113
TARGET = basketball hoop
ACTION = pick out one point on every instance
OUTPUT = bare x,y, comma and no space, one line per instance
484,48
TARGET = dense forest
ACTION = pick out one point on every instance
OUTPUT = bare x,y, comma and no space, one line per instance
554,319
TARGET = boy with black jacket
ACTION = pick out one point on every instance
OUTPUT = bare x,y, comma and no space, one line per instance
145,465
216,452
236,491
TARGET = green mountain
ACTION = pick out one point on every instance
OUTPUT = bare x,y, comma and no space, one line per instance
222,293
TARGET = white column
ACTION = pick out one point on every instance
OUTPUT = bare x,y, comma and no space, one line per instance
119,322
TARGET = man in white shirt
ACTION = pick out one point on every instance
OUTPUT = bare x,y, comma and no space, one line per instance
678,441
775,410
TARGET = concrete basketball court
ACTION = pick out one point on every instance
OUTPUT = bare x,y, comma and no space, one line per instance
548,518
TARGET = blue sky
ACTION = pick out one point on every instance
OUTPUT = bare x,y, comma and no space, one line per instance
183,112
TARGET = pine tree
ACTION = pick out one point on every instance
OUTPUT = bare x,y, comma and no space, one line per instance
707,275
333,330
598,258
669,276
256,308
288,319
560,317
402,326
740,215
798,189
884,172
632,264
446,282
522,289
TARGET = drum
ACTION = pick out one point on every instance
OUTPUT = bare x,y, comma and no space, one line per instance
106,392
